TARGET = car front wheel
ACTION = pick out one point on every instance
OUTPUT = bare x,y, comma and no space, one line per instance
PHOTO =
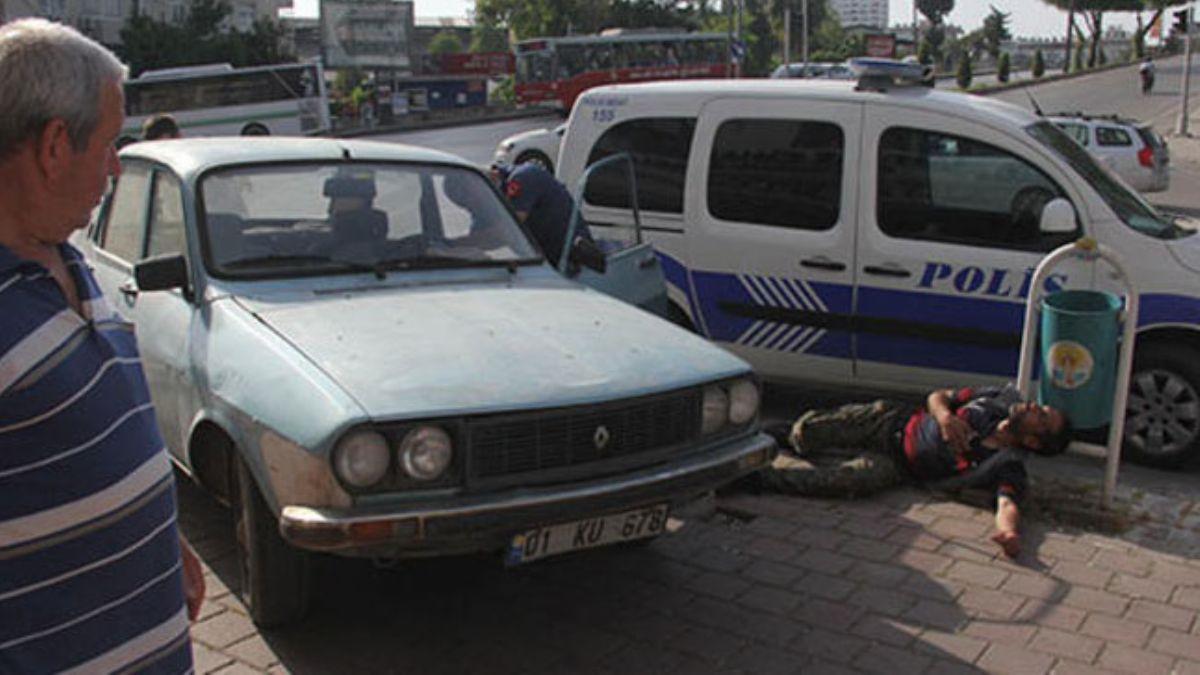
1162,421
274,575
536,157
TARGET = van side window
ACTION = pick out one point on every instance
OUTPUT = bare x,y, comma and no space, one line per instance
1112,136
1077,131
938,187
785,173
660,148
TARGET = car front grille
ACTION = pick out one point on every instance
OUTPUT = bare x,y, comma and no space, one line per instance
568,442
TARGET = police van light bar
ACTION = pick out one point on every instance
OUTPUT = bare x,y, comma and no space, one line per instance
883,74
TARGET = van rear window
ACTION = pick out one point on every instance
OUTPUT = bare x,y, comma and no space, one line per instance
660,148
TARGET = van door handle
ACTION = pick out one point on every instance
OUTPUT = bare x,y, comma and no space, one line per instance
823,263
648,262
887,271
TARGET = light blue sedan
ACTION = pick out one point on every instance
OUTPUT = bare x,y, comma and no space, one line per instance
357,347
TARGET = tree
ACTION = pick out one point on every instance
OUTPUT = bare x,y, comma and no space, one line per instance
1077,59
487,37
445,42
935,11
964,75
1093,10
1039,64
995,30
925,52
1003,68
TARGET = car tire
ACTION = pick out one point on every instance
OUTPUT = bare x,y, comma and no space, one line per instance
274,575
255,129
536,157
1162,421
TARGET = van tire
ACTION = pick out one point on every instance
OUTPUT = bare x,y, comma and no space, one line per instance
274,576
536,157
255,129
1162,421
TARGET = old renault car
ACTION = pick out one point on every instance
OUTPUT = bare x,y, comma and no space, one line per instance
358,348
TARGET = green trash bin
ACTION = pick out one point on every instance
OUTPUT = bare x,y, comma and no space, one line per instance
1079,339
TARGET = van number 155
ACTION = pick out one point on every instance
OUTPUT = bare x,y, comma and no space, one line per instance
604,115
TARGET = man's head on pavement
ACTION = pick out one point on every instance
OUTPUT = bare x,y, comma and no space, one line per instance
1039,428
60,115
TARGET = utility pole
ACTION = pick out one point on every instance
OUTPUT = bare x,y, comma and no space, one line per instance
804,37
1187,73
742,61
787,35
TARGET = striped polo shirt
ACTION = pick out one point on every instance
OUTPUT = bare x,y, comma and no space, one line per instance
90,574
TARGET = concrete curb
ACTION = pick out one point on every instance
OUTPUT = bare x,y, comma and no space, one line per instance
442,123
1028,82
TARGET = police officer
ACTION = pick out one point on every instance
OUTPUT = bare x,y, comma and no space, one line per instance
541,203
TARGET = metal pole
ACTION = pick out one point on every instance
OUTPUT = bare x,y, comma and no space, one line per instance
1070,36
1182,129
742,61
787,34
804,36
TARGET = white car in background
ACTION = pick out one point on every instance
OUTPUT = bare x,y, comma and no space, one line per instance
539,146
1130,148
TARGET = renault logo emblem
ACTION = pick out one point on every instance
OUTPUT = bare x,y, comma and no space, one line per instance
601,437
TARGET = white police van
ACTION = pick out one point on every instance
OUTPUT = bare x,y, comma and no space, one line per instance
884,237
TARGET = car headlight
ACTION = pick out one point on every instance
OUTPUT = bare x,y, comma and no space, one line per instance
425,453
743,401
361,458
716,410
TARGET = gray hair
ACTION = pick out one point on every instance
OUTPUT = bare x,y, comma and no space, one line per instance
50,71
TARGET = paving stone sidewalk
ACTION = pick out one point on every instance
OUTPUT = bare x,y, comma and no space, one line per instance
904,583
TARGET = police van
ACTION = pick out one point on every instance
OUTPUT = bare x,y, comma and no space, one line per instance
884,236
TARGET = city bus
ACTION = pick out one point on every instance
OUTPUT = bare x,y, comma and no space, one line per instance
553,71
219,100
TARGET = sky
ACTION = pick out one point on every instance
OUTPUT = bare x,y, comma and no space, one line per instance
1029,17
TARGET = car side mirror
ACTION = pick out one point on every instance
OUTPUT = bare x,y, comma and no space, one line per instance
1058,217
587,253
162,273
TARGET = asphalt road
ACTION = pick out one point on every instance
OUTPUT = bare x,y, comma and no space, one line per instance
475,143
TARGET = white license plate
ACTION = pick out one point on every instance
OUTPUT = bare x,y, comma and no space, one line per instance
587,533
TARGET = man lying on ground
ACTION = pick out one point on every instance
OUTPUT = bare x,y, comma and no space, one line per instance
965,438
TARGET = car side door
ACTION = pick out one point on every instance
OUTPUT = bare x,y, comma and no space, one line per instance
950,236
771,212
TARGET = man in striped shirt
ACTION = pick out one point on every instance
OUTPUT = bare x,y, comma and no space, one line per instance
92,568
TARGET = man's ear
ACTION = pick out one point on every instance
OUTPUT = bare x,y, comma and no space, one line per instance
53,148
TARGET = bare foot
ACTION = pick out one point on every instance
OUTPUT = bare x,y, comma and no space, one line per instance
1010,543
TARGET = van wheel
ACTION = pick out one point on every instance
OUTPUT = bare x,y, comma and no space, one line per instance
1162,419
274,576
536,157
255,129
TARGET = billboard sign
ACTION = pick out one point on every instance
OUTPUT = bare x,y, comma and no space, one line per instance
366,34
881,45
483,63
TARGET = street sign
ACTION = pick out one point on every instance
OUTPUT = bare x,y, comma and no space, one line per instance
881,45
367,34
737,50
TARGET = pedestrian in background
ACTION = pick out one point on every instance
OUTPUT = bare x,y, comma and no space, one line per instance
160,126
92,568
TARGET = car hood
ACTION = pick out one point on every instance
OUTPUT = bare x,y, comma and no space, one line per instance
405,354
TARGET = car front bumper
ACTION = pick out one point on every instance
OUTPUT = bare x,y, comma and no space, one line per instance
487,522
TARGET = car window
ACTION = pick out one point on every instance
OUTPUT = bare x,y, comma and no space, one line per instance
166,216
334,218
126,223
1077,131
1112,136
660,148
786,173
939,187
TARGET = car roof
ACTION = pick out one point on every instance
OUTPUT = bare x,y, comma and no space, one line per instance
191,156
1093,117
679,91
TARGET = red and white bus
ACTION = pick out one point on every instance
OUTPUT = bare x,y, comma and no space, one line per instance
553,71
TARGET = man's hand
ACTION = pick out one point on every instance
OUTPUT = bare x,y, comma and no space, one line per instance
193,579
956,432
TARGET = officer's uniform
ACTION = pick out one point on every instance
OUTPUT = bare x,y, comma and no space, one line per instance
532,190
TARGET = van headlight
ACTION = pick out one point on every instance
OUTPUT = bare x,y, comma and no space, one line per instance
743,401
715,410
361,458
425,453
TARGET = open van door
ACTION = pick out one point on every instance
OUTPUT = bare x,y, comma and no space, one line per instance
626,270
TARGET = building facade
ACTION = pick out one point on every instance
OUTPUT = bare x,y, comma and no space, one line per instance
102,20
861,13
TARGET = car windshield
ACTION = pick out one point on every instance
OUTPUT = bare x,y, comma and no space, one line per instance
1125,203
335,218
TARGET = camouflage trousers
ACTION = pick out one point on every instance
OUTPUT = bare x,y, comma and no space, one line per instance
845,452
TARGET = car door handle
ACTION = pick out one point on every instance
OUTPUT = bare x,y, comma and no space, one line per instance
129,290
823,264
887,271
648,262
